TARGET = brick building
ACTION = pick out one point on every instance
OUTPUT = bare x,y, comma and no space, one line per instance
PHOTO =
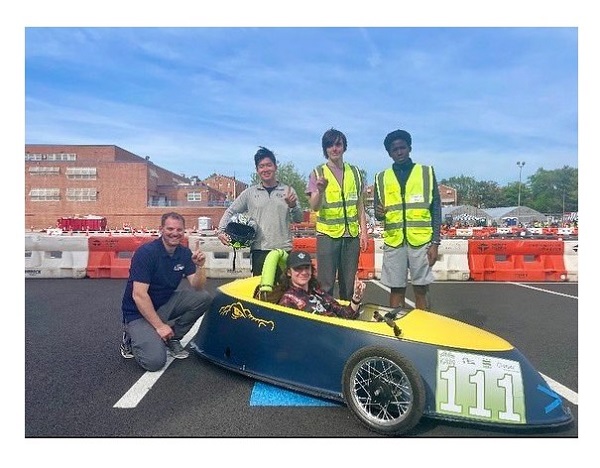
448,195
108,181
230,186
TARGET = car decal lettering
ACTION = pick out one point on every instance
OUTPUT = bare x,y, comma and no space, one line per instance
238,311
481,387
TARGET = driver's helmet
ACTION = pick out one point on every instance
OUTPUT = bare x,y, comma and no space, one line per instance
241,230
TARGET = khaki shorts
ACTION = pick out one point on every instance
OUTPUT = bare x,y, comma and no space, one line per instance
399,261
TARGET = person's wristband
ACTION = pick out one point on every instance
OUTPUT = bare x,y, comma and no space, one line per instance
354,302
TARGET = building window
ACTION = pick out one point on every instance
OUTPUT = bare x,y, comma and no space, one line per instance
162,200
194,196
44,170
81,173
82,194
61,157
33,157
44,194
50,157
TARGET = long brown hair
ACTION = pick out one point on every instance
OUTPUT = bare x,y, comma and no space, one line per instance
284,283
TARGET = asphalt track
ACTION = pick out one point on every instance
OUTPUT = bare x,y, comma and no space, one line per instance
78,386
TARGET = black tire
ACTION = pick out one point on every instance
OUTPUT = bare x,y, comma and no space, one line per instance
383,390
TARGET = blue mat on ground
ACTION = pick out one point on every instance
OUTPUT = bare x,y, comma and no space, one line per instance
268,395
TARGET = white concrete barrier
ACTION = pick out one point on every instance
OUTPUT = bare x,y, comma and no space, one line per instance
219,258
378,243
464,232
571,258
453,261
565,231
52,256
452,264
67,256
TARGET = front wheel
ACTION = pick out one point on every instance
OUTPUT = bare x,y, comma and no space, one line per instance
383,390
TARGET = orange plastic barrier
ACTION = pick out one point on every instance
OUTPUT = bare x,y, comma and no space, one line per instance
366,260
110,256
308,244
517,260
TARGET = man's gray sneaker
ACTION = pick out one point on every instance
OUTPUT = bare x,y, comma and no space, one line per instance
176,350
126,351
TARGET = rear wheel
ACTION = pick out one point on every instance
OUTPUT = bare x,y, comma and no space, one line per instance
383,390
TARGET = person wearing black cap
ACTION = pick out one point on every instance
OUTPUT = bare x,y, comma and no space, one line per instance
303,292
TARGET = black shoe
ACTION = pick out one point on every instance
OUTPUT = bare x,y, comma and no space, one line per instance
125,348
176,350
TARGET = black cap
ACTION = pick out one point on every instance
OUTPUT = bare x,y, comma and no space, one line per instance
298,258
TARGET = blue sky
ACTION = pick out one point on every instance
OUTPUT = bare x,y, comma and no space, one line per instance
201,100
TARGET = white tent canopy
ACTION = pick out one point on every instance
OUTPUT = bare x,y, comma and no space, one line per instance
471,214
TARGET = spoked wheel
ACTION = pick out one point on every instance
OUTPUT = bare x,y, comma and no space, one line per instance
383,390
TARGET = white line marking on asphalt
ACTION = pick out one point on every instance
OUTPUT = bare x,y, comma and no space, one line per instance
385,288
543,290
563,391
139,389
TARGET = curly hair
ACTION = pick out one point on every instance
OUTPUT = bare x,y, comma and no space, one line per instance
284,283
397,135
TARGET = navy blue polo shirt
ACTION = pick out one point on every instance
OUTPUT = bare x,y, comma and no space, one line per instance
151,264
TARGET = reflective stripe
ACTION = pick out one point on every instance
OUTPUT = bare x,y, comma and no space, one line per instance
336,221
419,224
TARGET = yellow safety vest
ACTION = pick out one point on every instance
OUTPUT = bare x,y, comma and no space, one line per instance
340,204
410,215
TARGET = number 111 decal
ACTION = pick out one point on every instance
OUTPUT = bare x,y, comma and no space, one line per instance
479,387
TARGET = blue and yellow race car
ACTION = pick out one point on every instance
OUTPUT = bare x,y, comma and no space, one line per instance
390,367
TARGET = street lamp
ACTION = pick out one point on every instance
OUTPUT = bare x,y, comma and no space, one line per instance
562,220
520,164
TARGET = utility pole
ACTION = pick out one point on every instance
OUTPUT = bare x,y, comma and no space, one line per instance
520,164
563,209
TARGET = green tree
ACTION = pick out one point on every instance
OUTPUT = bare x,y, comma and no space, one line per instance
288,174
510,195
466,189
550,192
489,193
554,191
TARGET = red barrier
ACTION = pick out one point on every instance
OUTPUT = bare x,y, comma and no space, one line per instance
366,260
517,260
308,244
110,256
